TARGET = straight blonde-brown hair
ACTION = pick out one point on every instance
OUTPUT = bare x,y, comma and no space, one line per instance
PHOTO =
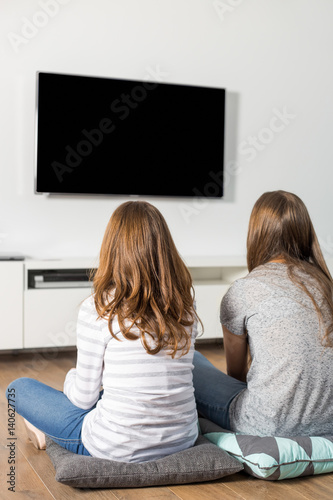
142,280
280,228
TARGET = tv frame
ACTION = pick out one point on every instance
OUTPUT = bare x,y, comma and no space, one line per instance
143,195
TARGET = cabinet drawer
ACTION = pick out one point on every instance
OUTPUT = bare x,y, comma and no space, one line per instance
50,316
11,305
208,300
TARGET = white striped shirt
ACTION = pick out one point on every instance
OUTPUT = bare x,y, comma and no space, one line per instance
147,410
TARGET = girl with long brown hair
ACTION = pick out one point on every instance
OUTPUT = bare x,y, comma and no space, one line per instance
135,337
277,329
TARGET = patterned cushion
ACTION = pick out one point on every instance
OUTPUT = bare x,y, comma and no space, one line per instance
274,457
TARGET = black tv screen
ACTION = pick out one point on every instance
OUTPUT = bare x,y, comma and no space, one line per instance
110,136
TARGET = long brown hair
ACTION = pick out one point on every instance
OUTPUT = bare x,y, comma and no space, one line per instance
143,281
280,228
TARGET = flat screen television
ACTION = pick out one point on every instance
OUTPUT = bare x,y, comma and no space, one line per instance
124,137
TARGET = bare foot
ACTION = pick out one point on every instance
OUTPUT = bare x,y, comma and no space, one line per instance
35,435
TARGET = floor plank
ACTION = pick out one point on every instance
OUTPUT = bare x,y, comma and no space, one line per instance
161,492
215,354
315,487
257,489
206,491
26,483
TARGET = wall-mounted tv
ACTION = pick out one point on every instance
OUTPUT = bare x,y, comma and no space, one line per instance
123,137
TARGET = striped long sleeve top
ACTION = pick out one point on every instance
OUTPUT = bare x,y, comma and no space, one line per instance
147,409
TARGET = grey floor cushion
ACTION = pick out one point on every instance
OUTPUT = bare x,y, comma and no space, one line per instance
203,462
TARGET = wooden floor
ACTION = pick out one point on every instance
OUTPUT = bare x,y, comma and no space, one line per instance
35,473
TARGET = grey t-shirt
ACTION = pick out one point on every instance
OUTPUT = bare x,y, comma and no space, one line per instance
290,382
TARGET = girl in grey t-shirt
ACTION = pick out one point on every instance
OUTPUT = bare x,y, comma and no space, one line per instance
281,317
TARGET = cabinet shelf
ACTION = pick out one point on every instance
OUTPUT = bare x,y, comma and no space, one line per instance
59,278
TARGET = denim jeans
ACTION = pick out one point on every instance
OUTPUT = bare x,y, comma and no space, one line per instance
214,391
50,411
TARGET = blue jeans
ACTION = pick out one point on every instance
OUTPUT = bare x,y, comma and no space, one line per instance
50,411
214,391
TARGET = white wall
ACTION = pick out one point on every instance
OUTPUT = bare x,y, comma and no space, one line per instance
272,56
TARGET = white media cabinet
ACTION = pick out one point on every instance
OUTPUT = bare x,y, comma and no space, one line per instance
38,314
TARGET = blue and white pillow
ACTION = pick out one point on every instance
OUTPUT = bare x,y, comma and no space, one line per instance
274,458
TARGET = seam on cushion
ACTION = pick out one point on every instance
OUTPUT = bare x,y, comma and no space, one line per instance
321,460
139,475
